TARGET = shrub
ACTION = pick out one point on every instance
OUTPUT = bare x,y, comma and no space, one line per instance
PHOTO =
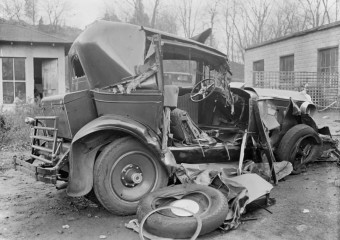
14,133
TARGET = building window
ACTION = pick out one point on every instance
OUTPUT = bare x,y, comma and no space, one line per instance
287,80
328,80
258,65
287,63
258,73
13,79
328,60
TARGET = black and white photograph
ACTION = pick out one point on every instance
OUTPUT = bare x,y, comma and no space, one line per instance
164,120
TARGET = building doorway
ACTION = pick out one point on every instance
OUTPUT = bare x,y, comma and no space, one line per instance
45,77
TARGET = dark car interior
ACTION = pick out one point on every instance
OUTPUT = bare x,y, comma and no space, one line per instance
216,114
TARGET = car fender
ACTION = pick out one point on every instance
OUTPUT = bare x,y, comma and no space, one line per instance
92,137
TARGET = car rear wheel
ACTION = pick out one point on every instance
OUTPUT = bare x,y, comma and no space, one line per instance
299,145
124,172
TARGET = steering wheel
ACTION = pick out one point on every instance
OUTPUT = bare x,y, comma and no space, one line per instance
203,88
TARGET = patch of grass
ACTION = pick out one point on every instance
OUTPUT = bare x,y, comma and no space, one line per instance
6,159
14,132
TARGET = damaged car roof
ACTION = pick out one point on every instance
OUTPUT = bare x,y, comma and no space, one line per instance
111,51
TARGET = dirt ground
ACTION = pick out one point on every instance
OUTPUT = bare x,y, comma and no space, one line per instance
307,207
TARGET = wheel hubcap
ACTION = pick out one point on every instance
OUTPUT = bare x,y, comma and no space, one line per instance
131,175
187,204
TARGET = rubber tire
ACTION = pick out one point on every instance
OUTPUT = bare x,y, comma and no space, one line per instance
108,198
291,138
183,227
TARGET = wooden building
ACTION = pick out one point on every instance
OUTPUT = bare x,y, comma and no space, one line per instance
32,63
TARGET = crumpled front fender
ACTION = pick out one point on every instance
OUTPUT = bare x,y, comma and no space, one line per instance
96,134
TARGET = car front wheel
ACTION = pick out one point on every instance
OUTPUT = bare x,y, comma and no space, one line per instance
299,145
124,172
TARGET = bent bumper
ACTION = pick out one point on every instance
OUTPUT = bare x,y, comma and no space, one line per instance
47,175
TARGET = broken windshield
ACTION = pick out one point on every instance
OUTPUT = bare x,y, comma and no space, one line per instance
185,65
180,72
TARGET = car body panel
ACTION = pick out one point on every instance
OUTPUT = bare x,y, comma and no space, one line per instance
280,94
108,57
96,134
134,106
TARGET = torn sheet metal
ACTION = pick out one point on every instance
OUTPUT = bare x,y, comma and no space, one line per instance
145,80
282,169
240,190
256,186
279,94
268,113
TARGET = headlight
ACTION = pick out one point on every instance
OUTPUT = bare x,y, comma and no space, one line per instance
308,108
30,121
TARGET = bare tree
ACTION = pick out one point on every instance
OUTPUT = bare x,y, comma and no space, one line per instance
167,22
241,39
31,10
245,22
14,10
229,16
110,15
109,12
249,24
257,16
56,11
317,12
133,11
154,13
212,12
139,16
188,17
326,13
287,19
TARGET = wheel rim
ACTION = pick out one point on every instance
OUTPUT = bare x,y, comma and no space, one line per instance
302,152
200,198
192,206
133,175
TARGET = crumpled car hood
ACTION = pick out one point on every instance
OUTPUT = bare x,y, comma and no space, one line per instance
110,51
107,56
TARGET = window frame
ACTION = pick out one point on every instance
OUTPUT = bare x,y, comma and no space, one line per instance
286,57
287,76
14,80
330,67
258,61
258,75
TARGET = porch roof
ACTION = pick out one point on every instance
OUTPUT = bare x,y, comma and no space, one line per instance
296,34
17,33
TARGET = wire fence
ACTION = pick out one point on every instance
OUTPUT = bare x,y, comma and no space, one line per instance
322,87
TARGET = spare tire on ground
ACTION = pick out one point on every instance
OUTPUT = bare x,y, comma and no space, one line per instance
212,209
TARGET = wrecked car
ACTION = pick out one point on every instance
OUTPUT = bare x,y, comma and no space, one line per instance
154,101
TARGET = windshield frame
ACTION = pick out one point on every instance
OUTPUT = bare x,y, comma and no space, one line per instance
172,50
